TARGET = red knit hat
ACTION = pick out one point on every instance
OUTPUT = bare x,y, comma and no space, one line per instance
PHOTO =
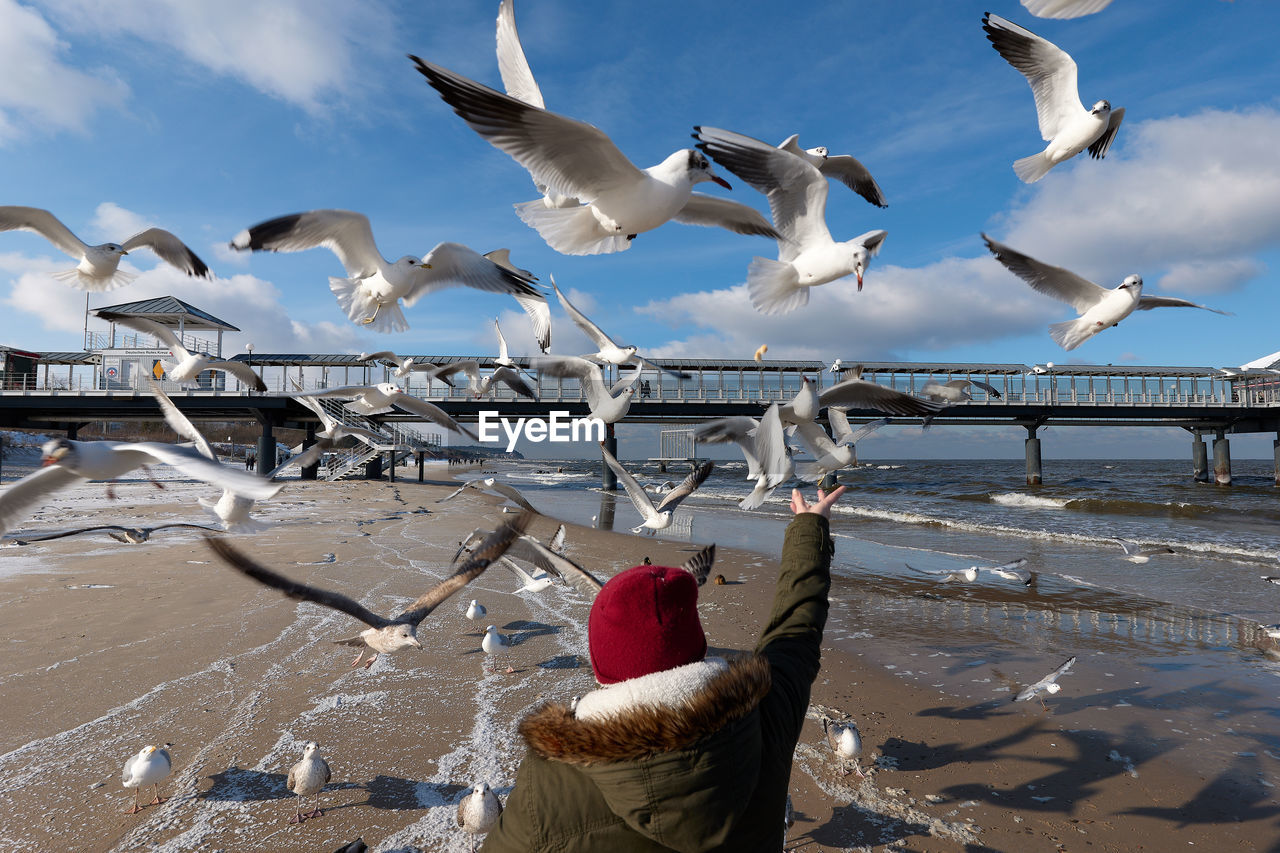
645,620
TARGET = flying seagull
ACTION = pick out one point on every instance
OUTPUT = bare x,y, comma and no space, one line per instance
1010,571
956,390
608,351
1049,684
335,431
480,809
190,364
609,404
307,778
384,634
371,293
855,393
575,159
1064,8
99,267
659,517
1135,553
65,463
120,533
831,455
808,256
385,397
1099,308
968,575
841,167
1064,122
490,484
151,766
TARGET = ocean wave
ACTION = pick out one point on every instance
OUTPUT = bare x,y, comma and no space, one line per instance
1028,501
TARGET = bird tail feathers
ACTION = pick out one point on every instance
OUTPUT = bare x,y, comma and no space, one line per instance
774,287
571,230
810,472
1033,168
359,306
97,285
1070,334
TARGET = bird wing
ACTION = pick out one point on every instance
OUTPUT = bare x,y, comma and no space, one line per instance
44,223
815,439
1146,303
864,430
453,264
513,494
307,457
1130,548
638,495
1053,676
568,156
796,190
163,334
62,534
1102,144
1064,8
561,566
431,412
699,565
703,209
770,447
191,463
170,249
241,562
592,331
539,312
1062,284
345,232
859,393
18,499
503,355
183,524
687,486
514,381
990,389
517,77
841,431
525,577
179,423
1047,67
383,355
493,547
850,172
587,373
240,371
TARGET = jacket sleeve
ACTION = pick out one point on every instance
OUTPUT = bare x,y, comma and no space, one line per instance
792,639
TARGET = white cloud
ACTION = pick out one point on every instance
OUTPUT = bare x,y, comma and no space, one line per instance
116,224
38,90
1208,276
301,51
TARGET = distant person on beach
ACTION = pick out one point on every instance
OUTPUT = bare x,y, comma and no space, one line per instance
676,750
250,461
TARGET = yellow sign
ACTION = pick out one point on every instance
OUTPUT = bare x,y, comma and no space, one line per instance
156,370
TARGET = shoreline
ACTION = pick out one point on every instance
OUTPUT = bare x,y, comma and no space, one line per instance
237,677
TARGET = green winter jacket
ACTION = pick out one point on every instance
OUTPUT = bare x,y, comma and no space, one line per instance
708,776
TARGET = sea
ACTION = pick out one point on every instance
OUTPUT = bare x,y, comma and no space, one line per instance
1172,656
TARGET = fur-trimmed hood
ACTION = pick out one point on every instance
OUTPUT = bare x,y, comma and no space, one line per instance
679,775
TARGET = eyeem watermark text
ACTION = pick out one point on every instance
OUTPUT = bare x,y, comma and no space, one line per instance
557,426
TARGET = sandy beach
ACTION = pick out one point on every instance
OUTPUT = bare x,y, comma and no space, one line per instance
111,647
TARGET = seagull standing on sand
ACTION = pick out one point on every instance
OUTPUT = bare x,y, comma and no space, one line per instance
659,517
1064,122
190,364
384,635
846,742
371,293
476,611
572,158
493,643
1049,684
797,193
151,766
478,811
1099,308
99,267
307,778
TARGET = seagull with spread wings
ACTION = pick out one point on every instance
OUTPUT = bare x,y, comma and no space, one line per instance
609,404
1099,307
491,484
118,532
384,635
1049,684
831,455
956,390
656,517
840,167
1064,122
608,352
372,292
808,256
385,397
99,266
190,364
567,157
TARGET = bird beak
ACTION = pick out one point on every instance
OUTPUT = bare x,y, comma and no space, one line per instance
721,181
859,281
424,265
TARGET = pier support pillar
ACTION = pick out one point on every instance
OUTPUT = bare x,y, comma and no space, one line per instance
1222,460
662,466
609,480
373,468
1275,446
422,460
266,449
1034,475
391,465
1199,460
310,471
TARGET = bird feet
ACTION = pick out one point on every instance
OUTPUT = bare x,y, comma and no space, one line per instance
136,808
158,800
297,818
370,661
355,663
314,813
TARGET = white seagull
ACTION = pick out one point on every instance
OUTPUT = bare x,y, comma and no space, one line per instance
120,533
1010,571
371,293
307,778
1135,553
608,352
1064,122
65,463
572,158
335,431
841,167
476,610
830,455
659,517
736,429
151,766
385,397
384,635
491,484
855,393
478,811
846,742
190,364
773,460
528,583
1064,8
956,390
843,434
99,267
807,254
493,643
968,575
1049,684
608,404
1099,308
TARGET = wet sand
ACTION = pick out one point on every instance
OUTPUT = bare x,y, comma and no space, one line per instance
114,646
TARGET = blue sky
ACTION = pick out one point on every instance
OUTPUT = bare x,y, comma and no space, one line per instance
205,118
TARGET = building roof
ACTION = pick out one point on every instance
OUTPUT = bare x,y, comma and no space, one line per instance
1264,363
167,311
